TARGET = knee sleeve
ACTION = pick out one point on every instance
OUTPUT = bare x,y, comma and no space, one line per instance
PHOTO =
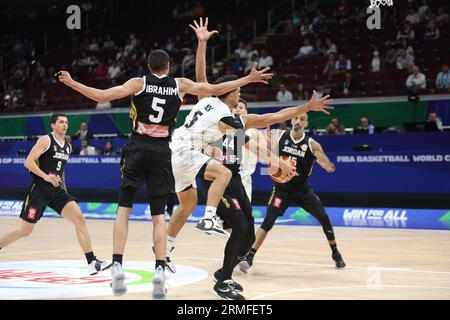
158,205
126,196
269,220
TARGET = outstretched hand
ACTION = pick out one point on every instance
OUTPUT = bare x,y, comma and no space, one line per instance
201,30
316,104
65,77
260,76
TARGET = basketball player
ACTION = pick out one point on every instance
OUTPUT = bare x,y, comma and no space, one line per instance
46,163
156,100
189,159
303,151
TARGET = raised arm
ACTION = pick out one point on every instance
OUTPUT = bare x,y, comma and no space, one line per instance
205,89
264,120
31,162
202,33
133,85
322,158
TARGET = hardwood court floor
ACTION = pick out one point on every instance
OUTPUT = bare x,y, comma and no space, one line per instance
294,263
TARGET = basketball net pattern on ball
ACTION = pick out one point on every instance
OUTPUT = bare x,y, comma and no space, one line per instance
377,3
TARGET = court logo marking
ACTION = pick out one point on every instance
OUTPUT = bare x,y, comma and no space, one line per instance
56,279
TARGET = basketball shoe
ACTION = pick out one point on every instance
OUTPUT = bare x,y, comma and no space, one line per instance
226,291
97,266
118,285
338,259
159,284
218,275
211,225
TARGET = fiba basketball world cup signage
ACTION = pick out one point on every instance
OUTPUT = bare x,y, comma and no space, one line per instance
374,20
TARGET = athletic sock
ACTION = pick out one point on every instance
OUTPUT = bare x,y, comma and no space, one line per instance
210,212
251,253
117,258
161,263
170,241
89,257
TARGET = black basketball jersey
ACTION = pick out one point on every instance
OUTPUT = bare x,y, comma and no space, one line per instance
232,148
53,160
301,154
154,109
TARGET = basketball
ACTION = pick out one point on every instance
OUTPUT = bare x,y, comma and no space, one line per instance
275,171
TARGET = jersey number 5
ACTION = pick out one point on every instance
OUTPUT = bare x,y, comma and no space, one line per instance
157,106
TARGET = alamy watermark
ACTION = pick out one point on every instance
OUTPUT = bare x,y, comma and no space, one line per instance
73,22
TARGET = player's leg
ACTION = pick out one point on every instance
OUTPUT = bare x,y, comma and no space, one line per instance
157,206
220,177
311,203
71,211
277,205
230,210
23,230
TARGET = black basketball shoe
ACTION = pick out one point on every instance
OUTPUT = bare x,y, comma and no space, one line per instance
225,290
237,286
338,259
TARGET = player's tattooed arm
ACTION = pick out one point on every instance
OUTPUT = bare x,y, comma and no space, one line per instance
130,87
264,120
202,33
31,161
322,158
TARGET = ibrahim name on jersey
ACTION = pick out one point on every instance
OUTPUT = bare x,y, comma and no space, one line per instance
300,152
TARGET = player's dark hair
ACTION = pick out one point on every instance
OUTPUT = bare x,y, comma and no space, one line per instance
244,102
54,117
157,60
223,79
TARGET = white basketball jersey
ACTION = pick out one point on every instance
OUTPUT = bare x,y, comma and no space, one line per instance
249,159
201,125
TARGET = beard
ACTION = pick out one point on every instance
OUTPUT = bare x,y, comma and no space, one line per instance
298,128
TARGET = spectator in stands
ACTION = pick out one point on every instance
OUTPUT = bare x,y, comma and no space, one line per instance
413,17
301,94
343,64
83,132
391,54
331,47
75,149
305,51
406,44
170,45
86,149
40,71
109,43
101,72
85,60
433,117
120,56
358,14
177,11
320,48
188,60
350,85
250,63
335,127
442,17
251,51
416,81
328,91
377,63
94,46
43,101
432,33
242,51
443,78
109,149
114,71
284,95
422,11
306,28
407,33
318,24
330,68
236,64
296,18
404,60
264,60
364,126
343,11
